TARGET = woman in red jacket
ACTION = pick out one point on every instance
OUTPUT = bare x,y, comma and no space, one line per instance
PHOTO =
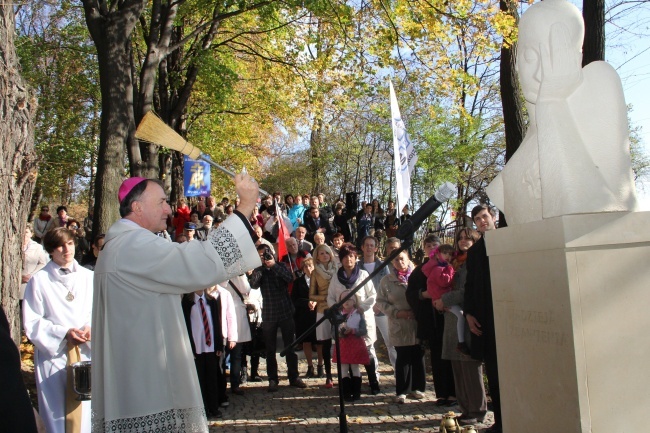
181,216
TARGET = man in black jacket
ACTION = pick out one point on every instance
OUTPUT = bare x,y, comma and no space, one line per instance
478,308
273,279
317,223
318,202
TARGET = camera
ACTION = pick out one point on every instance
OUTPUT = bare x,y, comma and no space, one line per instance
267,256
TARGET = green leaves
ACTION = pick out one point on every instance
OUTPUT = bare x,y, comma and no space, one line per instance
59,62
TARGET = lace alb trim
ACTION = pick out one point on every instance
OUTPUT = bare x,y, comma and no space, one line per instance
228,249
191,420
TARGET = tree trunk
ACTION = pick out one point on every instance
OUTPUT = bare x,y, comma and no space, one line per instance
91,184
513,115
178,166
34,209
316,163
177,176
147,152
111,32
116,123
17,167
593,47
166,171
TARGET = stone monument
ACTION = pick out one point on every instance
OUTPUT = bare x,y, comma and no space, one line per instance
570,274
575,156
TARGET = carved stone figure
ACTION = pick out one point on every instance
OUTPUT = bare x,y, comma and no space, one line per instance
575,156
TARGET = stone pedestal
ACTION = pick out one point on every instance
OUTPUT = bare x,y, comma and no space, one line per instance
572,316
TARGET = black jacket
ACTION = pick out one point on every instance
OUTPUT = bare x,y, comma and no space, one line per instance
312,226
478,297
215,309
431,323
342,223
15,408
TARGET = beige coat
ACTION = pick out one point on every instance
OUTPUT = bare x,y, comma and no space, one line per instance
391,298
318,288
34,259
450,335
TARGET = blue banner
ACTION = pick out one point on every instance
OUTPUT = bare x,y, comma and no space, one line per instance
196,178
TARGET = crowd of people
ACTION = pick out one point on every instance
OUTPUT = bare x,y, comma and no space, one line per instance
231,322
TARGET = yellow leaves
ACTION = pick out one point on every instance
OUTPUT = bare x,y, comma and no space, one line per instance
463,8
506,26
26,350
457,45
432,112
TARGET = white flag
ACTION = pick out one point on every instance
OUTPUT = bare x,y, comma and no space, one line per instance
405,157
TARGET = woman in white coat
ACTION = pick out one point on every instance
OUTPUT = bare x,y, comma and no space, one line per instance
229,333
239,290
34,259
348,276
56,311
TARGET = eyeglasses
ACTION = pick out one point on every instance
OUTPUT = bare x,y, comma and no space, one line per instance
73,227
45,210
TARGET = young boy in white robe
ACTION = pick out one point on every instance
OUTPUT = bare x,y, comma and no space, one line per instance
56,310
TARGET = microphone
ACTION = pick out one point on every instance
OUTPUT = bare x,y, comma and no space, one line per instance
409,226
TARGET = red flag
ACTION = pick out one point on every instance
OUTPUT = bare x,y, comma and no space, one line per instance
283,234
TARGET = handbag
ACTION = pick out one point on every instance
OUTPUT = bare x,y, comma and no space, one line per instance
255,347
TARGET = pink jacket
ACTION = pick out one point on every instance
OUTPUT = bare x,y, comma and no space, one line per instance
439,278
228,315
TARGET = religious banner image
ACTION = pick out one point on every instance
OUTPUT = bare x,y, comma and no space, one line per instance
196,178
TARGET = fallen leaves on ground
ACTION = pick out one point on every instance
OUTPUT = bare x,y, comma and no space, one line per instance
27,367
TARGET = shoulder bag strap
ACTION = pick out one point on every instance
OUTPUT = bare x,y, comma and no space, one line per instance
238,292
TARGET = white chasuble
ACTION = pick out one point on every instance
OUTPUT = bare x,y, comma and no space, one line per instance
144,378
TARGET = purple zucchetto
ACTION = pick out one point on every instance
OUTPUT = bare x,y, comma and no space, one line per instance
127,186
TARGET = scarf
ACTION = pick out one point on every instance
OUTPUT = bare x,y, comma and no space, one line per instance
348,282
459,260
403,276
326,272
